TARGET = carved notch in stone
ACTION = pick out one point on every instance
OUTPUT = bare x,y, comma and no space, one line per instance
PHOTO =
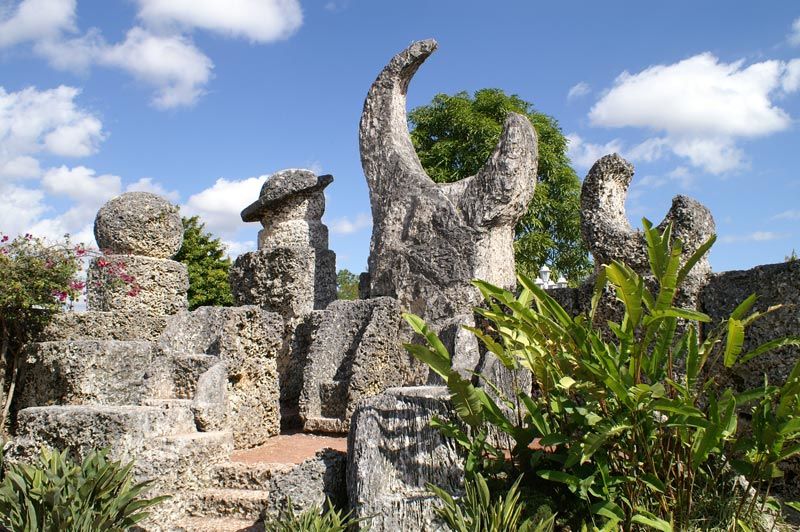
430,240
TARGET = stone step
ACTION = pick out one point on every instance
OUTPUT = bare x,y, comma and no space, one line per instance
184,461
92,372
220,524
256,476
228,502
330,425
124,428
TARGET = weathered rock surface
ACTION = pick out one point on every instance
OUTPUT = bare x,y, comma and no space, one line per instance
288,280
163,285
95,372
354,351
774,284
210,402
85,428
430,240
394,453
247,339
139,223
97,325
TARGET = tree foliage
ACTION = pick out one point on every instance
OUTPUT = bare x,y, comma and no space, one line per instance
454,137
346,284
204,257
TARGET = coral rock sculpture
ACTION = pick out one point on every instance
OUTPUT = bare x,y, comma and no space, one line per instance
429,240
609,236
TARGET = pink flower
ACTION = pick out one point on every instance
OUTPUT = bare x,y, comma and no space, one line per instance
102,263
77,285
4,239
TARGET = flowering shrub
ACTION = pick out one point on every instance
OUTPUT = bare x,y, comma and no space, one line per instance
37,279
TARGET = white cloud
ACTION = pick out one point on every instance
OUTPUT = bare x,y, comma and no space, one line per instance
579,89
755,236
791,78
160,53
33,20
172,64
76,54
346,226
699,95
794,37
146,184
648,150
21,167
48,121
257,20
585,154
681,174
82,185
787,215
77,139
21,208
702,106
220,205
235,248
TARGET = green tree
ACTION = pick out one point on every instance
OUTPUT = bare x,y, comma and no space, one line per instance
204,256
346,284
454,137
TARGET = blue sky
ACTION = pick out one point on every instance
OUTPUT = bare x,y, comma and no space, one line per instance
201,99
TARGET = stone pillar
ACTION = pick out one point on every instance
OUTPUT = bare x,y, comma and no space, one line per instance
139,233
293,271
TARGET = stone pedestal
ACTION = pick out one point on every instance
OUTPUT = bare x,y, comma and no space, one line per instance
394,453
159,285
353,352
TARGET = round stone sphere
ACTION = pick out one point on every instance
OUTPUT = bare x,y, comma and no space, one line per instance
139,223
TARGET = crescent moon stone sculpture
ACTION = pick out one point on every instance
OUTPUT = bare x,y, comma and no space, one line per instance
430,240
609,236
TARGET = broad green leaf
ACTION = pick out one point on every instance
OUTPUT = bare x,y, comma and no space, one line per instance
643,517
694,258
744,307
465,399
769,346
733,342
430,357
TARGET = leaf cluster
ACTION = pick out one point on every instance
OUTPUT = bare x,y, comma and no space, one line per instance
208,266
56,494
633,430
313,519
479,511
455,135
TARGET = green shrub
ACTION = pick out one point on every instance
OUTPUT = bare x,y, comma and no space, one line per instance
478,511
57,495
632,428
313,519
